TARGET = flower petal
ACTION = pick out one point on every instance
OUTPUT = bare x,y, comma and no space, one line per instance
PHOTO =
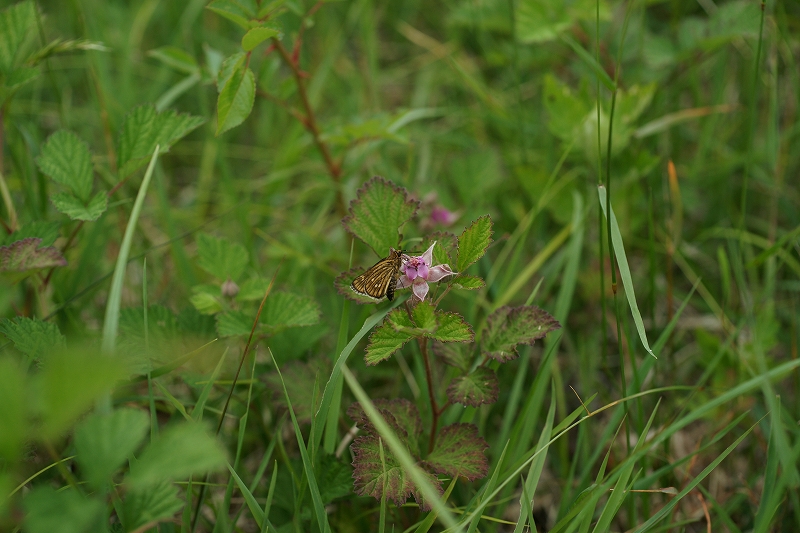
422,271
428,255
403,282
420,289
438,272
412,272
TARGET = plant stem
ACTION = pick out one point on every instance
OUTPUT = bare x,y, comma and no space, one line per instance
423,346
310,123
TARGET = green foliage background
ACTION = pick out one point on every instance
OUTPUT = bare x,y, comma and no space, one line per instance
503,108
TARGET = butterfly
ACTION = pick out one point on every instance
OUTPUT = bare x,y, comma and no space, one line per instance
380,279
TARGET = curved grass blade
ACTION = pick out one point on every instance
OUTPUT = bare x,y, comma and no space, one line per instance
625,271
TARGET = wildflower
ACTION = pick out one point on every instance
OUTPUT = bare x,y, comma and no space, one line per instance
443,216
418,271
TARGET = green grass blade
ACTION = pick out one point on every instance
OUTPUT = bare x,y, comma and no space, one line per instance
308,467
111,321
625,271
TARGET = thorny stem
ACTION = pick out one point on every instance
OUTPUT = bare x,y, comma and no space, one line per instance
435,412
310,123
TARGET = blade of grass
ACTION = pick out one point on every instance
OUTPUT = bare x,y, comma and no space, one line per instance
625,271
316,498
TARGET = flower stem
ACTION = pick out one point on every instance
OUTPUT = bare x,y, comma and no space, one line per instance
423,346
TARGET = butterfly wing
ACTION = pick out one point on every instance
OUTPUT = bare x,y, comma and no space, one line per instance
380,279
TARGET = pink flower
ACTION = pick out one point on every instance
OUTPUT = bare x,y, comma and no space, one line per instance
443,216
417,272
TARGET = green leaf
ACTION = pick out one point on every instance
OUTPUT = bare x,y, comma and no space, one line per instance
13,411
174,57
32,336
285,309
539,21
16,23
335,478
65,511
252,290
66,159
386,340
104,441
221,258
401,414
233,323
477,387
454,354
18,78
378,212
238,12
23,258
625,271
70,382
206,301
76,209
473,241
378,473
150,505
424,316
144,128
258,35
46,231
566,111
468,282
182,450
509,326
237,91
452,328
459,452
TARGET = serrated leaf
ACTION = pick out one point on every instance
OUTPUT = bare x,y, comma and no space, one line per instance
256,36
221,258
69,383
237,90
252,289
66,159
150,505
342,284
509,326
285,309
13,410
104,441
25,257
46,231
378,212
179,451
403,416
236,11
469,283
66,511
454,354
473,241
459,452
425,317
174,57
207,303
32,336
76,209
478,387
335,478
376,478
386,340
452,328
233,323
402,323
16,23
144,128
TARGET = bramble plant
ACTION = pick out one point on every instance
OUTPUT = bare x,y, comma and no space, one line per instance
376,217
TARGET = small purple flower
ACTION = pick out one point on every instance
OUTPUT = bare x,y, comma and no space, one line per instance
443,216
417,272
